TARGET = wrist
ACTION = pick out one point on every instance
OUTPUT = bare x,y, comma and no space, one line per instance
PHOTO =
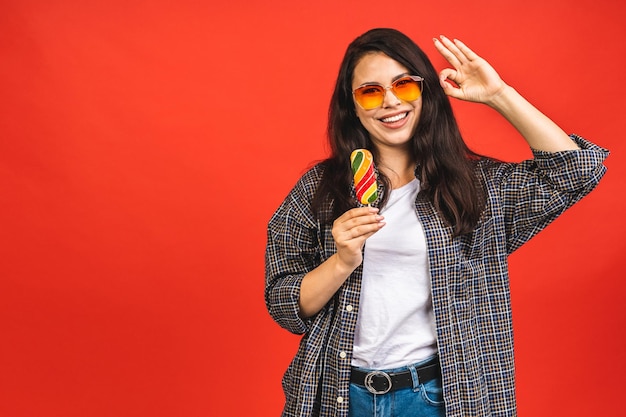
504,99
342,268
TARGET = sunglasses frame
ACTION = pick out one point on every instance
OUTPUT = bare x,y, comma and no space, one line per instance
416,78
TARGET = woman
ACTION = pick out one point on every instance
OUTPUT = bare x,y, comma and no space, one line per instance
404,307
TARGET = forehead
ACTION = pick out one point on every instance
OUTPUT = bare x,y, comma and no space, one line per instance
376,67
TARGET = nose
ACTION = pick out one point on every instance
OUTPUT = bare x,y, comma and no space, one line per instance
390,99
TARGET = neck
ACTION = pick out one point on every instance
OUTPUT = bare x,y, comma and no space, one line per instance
398,166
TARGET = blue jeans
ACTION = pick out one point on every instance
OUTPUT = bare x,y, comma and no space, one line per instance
421,400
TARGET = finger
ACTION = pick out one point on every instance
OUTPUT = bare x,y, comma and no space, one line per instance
348,225
366,230
469,54
449,74
357,234
448,88
453,48
369,220
351,217
368,235
451,81
446,53
357,212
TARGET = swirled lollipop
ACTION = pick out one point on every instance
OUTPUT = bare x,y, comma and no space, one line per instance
364,174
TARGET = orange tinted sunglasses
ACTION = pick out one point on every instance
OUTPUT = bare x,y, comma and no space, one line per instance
370,96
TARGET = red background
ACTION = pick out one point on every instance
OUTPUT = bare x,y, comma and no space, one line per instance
145,144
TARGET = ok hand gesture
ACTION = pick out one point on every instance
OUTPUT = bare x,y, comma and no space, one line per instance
477,81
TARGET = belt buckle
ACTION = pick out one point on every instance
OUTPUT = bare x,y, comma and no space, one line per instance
369,379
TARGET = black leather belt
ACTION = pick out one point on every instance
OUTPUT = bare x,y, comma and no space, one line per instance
379,382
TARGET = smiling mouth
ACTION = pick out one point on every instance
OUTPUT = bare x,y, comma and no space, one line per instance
395,118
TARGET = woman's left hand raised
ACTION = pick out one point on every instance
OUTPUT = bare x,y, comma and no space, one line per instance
477,81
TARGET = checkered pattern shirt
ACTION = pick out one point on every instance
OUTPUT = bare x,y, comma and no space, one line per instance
470,284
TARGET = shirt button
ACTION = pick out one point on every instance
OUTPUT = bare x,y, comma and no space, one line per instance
349,307
343,355
339,400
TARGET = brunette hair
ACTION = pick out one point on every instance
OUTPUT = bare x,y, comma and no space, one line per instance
444,163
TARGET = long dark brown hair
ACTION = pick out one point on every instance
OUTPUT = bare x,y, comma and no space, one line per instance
445,165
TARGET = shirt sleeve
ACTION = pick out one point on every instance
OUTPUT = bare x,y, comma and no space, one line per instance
537,191
292,251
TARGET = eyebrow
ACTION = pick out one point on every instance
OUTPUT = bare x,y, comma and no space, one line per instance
397,77
394,79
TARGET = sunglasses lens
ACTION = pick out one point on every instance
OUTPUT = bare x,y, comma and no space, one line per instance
407,89
372,96
369,96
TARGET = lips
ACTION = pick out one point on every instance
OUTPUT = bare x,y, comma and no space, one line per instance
395,118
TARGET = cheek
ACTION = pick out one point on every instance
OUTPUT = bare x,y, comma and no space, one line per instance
365,119
367,123
417,105
418,110
360,113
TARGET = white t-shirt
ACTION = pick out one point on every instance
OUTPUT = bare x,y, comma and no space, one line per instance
395,325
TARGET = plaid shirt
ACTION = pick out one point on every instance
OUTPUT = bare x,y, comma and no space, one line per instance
470,284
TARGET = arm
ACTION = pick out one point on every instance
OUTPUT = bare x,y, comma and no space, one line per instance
533,193
349,231
297,283
478,82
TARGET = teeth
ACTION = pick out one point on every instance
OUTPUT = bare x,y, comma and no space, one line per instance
394,118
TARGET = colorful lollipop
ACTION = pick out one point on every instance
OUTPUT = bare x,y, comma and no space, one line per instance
365,184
